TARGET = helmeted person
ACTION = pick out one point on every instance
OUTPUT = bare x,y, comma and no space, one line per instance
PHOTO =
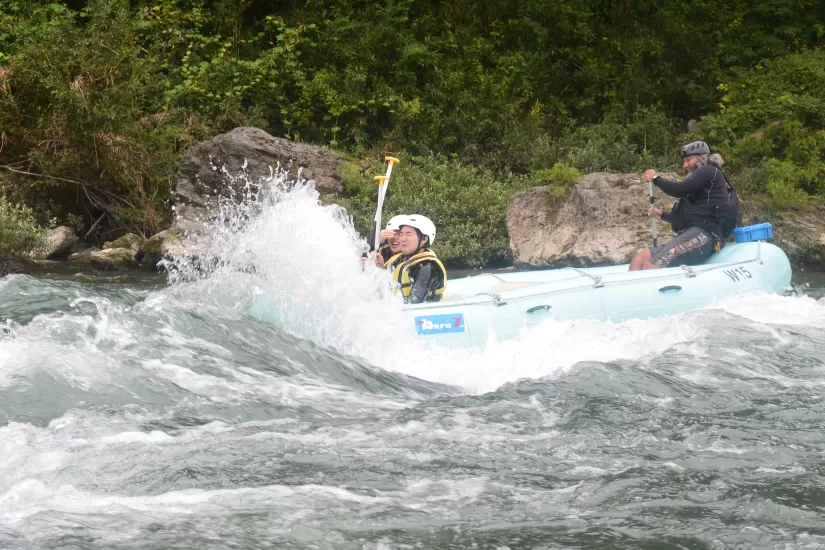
420,274
703,217
389,251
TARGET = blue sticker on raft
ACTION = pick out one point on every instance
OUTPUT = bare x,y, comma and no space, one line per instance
439,324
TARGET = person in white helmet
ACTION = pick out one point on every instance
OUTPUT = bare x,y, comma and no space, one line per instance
420,274
389,251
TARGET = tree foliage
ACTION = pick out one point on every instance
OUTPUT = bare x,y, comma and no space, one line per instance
104,94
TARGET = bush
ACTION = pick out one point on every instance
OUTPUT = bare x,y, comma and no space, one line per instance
82,103
620,143
560,175
19,233
771,127
467,204
783,183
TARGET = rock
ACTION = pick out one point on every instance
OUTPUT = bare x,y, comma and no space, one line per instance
113,258
155,247
798,231
130,240
210,169
151,252
11,264
602,221
59,243
81,258
691,125
175,244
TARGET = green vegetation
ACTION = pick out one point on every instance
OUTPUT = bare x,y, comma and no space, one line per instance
467,204
19,233
99,97
771,126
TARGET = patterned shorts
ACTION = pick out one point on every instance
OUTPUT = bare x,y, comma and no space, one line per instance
690,247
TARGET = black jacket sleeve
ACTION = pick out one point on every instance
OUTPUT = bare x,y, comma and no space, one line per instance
694,181
420,286
385,252
669,216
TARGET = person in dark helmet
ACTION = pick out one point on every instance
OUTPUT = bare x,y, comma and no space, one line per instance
419,273
703,217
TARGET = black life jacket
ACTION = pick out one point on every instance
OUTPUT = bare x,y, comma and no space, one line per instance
717,219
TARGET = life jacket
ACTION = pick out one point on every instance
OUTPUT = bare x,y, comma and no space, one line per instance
390,264
717,219
401,274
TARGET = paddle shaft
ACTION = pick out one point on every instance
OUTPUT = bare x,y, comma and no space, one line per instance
653,218
383,182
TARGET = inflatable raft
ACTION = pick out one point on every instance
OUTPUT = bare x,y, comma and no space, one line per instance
477,308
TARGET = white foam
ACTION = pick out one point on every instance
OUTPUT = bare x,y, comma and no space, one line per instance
549,349
152,437
31,496
776,310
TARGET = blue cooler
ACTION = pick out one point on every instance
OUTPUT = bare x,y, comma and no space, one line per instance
758,232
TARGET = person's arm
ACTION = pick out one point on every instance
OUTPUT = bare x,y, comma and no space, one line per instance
668,216
421,285
695,181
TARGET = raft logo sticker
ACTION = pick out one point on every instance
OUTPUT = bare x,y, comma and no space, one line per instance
439,324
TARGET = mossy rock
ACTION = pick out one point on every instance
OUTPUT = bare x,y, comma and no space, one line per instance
130,240
113,258
151,251
153,245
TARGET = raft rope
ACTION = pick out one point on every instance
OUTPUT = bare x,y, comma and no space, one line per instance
690,272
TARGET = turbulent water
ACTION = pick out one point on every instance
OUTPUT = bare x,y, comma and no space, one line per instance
154,413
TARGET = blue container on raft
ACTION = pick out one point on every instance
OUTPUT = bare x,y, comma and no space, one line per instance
750,233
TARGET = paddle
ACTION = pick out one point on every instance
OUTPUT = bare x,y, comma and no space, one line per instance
383,182
653,217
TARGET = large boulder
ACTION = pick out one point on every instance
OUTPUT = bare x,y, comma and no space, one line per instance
211,168
59,243
602,220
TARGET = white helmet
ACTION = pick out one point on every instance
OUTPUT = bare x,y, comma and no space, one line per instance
394,223
423,224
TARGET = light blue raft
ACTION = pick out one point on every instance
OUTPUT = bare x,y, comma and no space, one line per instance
476,308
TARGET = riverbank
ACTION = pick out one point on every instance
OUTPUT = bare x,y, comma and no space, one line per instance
547,218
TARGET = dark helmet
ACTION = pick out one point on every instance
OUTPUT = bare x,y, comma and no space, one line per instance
695,148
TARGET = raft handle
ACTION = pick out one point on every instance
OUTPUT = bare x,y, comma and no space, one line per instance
670,287
497,299
536,309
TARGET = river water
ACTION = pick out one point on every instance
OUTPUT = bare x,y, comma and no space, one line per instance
152,412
